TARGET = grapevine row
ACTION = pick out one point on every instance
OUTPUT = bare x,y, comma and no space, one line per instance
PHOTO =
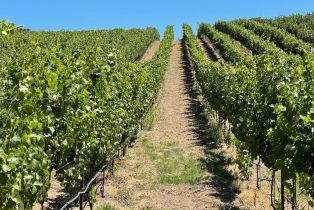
298,25
270,105
246,37
227,47
68,108
281,38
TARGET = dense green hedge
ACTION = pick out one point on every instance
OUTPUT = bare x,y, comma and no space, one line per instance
269,103
253,42
229,50
301,26
68,106
280,37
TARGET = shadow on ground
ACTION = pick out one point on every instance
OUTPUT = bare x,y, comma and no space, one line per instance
215,161
58,202
209,52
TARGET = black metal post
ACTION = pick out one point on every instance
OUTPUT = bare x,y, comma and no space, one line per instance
102,189
124,151
141,120
91,204
282,191
81,196
294,197
112,166
272,190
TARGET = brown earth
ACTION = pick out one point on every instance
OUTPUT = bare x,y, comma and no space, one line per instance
179,121
240,45
176,122
150,52
210,50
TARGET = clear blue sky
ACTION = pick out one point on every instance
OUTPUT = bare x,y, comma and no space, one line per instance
104,14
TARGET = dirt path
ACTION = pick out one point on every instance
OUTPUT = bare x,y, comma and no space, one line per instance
168,168
176,164
150,52
240,45
210,50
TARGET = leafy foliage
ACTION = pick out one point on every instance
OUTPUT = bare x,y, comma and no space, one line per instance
69,100
300,26
270,104
227,46
6,27
246,37
280,37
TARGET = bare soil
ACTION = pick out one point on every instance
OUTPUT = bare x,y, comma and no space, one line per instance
56,197
240,45
175,121
210,50
180,120
150,52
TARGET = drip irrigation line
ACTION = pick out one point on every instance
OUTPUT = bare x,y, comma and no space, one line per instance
86,187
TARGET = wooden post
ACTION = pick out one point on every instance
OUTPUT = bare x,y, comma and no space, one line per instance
258,173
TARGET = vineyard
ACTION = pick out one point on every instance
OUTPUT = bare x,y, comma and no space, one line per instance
72,100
